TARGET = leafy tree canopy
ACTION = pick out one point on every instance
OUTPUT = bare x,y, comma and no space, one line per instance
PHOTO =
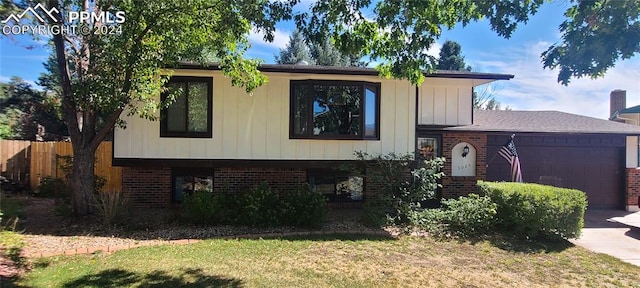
23,109
595,34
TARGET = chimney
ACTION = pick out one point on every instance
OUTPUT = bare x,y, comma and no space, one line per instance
618,101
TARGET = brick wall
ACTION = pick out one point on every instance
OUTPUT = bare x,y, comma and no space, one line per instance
238,180
150,187
459,186
632,189
147,186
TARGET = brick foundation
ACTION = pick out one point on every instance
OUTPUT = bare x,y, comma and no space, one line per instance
632,189
459,186
150,187
238,180
147,187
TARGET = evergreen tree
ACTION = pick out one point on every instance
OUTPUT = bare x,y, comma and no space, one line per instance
326,54
451,57
295,51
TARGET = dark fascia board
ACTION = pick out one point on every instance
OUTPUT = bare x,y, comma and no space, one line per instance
227,163
516,131
359,71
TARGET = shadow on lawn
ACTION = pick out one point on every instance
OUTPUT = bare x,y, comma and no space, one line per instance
123,278
529,246
336,237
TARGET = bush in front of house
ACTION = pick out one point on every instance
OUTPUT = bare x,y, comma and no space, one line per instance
405,181
465,216
259,207
205,208
303,208
534,210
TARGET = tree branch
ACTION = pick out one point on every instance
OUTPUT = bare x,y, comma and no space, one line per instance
106,128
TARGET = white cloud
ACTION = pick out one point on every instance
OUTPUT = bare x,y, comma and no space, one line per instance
280,38
534,88
434,50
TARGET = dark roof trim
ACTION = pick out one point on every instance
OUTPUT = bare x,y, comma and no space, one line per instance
363,71
518,131
218,163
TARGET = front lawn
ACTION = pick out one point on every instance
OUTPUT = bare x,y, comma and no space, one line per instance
338,261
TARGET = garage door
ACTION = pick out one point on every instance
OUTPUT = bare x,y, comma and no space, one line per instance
591,163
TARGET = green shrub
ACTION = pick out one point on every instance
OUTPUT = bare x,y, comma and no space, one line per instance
204,207
430,220
303,208
465,217
52,187
535,210
405,181
469,216
259,207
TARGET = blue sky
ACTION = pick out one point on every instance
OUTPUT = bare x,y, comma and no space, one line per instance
533,88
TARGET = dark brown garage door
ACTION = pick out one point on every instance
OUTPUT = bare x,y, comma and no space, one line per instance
591,163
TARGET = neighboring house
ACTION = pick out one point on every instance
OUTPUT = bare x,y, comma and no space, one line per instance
620,113
308,120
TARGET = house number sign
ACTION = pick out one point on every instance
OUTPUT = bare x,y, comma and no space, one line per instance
463,160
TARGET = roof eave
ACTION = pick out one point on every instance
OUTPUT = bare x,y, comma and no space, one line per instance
359,71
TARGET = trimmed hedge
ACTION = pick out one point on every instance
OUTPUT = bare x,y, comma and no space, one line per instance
535,210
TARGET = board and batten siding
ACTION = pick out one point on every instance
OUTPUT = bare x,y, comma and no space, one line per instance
257,126
446,102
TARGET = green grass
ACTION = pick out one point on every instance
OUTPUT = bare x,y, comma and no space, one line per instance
11,208
344,261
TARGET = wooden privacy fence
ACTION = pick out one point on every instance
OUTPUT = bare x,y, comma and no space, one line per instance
47,159
14,159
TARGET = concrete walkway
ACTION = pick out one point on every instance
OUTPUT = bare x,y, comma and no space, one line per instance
612,232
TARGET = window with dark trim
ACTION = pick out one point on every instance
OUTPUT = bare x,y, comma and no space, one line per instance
429,146
190,115
336,186
184,182
323,109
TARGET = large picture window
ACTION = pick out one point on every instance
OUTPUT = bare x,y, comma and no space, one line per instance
190,114
335,110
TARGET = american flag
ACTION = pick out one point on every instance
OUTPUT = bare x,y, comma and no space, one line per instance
508,152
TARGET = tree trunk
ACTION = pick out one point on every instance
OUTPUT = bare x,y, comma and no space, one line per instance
82,179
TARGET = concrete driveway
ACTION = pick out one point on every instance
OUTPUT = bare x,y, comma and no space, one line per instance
612,232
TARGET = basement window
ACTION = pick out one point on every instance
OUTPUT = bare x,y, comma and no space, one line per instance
336,186
185,182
